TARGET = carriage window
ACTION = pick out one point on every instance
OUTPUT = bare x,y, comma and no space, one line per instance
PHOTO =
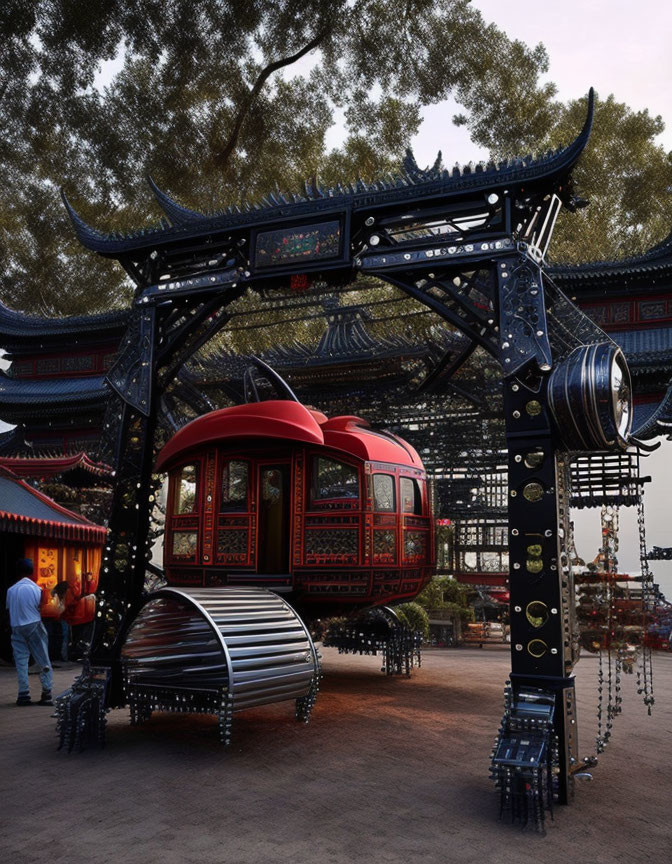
383,492
234,486
411,499
333,479
186,489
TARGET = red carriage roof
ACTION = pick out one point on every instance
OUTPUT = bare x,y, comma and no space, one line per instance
289,421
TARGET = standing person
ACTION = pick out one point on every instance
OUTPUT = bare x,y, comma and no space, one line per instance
82,632
28,633
63,594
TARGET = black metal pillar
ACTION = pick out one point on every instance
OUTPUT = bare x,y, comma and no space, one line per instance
543,636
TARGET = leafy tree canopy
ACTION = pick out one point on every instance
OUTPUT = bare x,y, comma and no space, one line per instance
207,97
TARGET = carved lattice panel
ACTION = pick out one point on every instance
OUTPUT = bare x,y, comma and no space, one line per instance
232,545
384,547
332,546
415,546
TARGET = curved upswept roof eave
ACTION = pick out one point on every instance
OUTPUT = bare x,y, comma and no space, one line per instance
176,212
443,183
14,324
656,422
50,466
657,257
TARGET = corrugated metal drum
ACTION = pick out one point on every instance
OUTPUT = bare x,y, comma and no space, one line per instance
218,650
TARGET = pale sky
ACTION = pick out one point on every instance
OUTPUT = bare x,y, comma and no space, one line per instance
618,47
614,46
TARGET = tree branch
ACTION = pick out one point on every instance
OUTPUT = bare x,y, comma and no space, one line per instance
222,157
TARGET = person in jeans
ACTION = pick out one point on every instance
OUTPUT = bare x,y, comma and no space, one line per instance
29,635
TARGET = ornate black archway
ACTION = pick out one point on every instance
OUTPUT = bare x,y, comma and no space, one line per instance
468,243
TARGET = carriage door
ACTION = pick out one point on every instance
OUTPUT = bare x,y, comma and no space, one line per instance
273,531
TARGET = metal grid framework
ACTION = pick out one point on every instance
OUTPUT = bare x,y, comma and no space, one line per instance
606,478
468,245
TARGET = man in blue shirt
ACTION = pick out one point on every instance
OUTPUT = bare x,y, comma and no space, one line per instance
29,635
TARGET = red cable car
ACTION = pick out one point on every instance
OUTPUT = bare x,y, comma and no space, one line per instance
329,512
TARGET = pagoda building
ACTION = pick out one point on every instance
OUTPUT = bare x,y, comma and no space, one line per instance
54,391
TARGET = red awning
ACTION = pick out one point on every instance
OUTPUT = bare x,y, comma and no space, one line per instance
24,510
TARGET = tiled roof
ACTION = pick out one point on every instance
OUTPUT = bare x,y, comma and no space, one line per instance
658,258
649,341
24,510
411,183
19,327
21,391
53,466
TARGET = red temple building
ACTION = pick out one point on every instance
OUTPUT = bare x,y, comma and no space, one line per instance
63,546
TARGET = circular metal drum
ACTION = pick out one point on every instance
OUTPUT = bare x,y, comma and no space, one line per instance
217,651
590,395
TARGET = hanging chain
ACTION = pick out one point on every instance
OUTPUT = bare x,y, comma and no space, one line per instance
645,667
609,567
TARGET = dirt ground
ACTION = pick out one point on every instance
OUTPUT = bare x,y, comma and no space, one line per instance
389,770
